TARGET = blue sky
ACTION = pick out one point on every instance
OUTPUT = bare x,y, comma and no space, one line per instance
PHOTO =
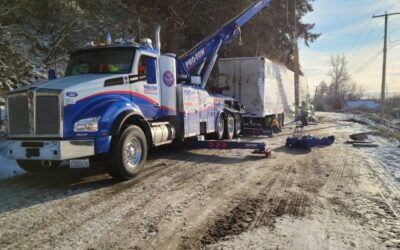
347,28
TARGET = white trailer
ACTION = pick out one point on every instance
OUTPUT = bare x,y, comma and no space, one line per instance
266,89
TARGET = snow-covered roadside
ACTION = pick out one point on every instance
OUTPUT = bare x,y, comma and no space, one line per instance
387,155
8,168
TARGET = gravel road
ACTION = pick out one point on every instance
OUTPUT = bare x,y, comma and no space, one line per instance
334,197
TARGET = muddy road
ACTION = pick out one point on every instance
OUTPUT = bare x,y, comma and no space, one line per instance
336,197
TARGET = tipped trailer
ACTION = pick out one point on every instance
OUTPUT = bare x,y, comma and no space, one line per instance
265,88
121,98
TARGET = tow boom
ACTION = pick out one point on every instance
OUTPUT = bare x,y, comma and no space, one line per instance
200,60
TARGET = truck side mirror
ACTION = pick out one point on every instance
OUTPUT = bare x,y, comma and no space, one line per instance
51,74
151,70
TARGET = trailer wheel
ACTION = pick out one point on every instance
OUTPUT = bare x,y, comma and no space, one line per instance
35,166
129,154
229,127
238,125
220,127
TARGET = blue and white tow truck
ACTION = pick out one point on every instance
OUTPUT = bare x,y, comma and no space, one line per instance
121,98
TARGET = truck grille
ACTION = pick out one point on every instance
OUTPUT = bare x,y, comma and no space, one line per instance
41,118
18,115
47,115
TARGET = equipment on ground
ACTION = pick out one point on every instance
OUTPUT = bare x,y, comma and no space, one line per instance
259,148
365,145
298,130
297,140
121,99
308,142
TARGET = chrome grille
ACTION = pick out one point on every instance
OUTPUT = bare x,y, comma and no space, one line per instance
36,115
18,115
47,118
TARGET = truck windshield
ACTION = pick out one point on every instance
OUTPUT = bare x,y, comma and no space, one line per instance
101,61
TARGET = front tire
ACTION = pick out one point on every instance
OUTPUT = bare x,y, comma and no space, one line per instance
35,166
129,154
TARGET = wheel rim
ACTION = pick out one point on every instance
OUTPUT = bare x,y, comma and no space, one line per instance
133,152
238,125
231,125
220,125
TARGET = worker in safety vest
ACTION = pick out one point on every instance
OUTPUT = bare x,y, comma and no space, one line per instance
108,68
304,108
304,114
273,123
275,126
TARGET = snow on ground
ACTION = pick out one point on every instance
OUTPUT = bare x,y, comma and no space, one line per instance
8,168
387,155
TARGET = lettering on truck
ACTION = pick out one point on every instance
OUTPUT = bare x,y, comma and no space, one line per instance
150,89
194,59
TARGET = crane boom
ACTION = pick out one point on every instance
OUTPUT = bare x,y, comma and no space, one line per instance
200,60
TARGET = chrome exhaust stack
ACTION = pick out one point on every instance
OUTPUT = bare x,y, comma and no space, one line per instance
158,38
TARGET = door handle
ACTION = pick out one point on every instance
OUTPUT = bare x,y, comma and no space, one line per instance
157,105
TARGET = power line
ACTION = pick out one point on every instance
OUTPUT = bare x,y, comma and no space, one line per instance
367,64
367,50
373,58
366,26
391,7
363,50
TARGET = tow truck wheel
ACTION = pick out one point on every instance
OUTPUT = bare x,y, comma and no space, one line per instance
37,166
220,128
229,127
129,154
238,125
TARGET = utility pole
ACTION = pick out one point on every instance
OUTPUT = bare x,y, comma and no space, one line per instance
296,60
383,88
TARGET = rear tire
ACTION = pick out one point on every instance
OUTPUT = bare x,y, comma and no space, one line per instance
35,166
220,127
129,154
238,125
229,127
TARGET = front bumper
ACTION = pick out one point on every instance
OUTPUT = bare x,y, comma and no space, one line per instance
49,150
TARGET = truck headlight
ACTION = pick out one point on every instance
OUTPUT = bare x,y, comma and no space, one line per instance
87,125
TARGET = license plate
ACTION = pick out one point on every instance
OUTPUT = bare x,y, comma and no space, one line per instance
32,152
79,163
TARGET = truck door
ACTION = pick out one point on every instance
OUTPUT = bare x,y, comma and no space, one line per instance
203,106
191,110
146,92
207,113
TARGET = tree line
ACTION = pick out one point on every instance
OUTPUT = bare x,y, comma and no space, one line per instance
332,96
36,34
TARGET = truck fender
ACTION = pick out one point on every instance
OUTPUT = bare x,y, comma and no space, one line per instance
132,118
232,111
221,113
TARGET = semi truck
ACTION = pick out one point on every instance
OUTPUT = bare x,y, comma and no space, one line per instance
120,98
265,88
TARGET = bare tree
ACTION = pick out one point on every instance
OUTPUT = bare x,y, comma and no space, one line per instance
341,88
339,79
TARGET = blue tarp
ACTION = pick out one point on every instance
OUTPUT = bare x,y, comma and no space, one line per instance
309,141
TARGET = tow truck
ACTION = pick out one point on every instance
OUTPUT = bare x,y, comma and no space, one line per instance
121,98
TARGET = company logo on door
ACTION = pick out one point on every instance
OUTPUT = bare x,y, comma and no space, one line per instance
150,89
168,78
